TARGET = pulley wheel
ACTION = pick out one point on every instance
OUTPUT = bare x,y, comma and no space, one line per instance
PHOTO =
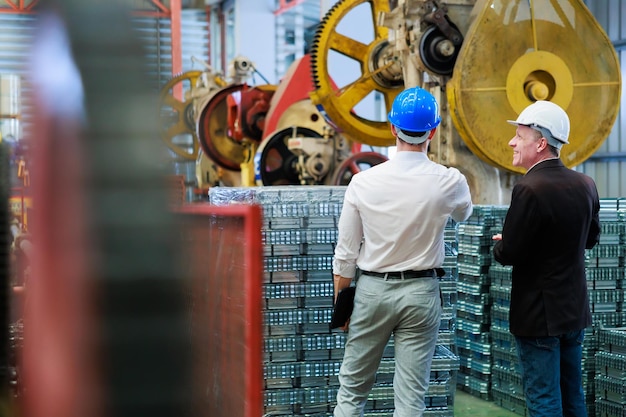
213,135
275,164
537,50
437,52
355,164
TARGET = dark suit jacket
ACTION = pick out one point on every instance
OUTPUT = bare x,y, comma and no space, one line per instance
552,219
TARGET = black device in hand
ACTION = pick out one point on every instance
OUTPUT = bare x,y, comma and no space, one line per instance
342,309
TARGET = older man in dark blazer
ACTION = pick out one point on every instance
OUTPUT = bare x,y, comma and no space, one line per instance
552,219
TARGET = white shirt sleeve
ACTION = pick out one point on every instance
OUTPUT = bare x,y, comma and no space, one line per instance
349,237
463,204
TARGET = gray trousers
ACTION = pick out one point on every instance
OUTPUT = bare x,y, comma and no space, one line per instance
410,310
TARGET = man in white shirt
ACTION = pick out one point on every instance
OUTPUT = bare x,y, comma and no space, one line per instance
392,228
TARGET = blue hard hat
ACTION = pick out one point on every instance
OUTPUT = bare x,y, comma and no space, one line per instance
415,110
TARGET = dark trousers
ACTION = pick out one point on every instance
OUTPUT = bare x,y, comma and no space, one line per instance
552,375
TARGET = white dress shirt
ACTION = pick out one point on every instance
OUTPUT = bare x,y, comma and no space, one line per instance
394,215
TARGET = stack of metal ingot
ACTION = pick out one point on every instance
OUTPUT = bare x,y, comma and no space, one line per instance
605,281
474,303
506,383
610,379
506,380
302,356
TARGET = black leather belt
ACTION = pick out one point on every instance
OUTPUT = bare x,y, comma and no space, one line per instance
402,274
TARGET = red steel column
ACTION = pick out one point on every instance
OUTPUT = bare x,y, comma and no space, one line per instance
177,50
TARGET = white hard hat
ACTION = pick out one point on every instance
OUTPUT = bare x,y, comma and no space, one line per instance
547,117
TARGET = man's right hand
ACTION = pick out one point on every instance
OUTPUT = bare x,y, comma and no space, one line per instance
345,326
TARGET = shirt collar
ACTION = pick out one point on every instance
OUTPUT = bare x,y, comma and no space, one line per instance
543,160
410,156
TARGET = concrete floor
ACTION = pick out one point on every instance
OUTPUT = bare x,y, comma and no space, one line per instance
467,405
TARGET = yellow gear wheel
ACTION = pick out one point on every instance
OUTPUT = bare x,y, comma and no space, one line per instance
176,116
380,72
519,51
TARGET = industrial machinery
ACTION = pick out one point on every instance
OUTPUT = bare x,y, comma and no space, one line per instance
179,102
299,146
243,135
214,121
484,60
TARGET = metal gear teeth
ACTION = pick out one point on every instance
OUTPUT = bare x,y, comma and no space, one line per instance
317,39
177,75
173,79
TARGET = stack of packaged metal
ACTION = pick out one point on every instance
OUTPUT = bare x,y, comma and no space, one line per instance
610,379
474,304
605,281
302,356
506,383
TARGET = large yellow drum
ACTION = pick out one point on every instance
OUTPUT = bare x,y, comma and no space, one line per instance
517,52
